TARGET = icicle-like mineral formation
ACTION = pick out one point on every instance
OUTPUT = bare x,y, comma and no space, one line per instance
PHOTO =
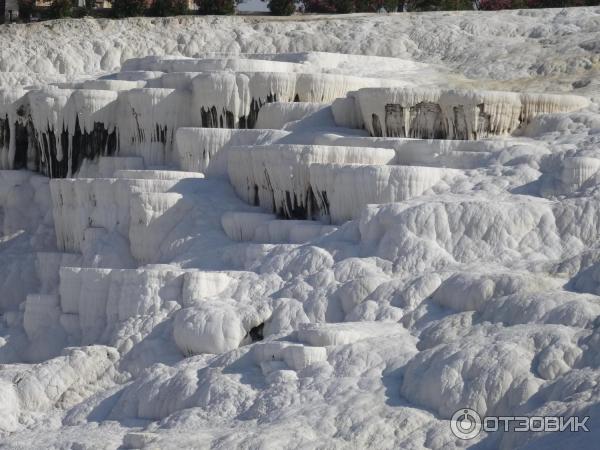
343,190
8,125
89,127
61,128
276,115
232,100
81,203
533,105
205,149
447,114
277,176
148,120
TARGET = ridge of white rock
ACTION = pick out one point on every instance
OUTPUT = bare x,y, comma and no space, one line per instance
82,203
138,76
205,149
104,305
277,115
277,177
110,85
232,100
57,127
532,105
428,113
152,216
342,191
107,166
577,171
138,113
116,306
149,119
167,65
344,333
454,153
57,383
261,227
241,226
167,175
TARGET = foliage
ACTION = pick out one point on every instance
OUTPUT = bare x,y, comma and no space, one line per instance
439,5
131,8
26,8
128,8
376,5
318,6
59,9
456,5
494,5
348,6
216,6
343,6
282,7
163,8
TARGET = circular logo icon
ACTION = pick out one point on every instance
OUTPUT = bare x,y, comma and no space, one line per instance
465,423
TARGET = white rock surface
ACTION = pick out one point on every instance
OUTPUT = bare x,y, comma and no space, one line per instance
343,190
277,177
450,114
207,299
205,149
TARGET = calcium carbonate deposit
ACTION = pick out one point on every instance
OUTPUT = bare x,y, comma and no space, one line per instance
323,232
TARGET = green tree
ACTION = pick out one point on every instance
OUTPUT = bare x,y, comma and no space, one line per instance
163,8
319,6
128,8
26,8
343,6
456,5
392,5
216,6
375,5
282,7
59,9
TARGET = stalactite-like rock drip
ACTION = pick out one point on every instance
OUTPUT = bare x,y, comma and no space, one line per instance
277,176
205,149
79,204
138,111
532,105
52,130
401,112
447,114
472,115
149,118
8,117
89,125
233,100
40,115
344,190
577,170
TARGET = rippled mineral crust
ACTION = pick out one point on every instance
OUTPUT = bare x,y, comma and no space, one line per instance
214,236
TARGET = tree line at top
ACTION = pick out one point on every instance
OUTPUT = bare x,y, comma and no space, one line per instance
162,8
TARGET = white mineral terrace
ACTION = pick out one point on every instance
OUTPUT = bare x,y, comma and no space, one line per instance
211,237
